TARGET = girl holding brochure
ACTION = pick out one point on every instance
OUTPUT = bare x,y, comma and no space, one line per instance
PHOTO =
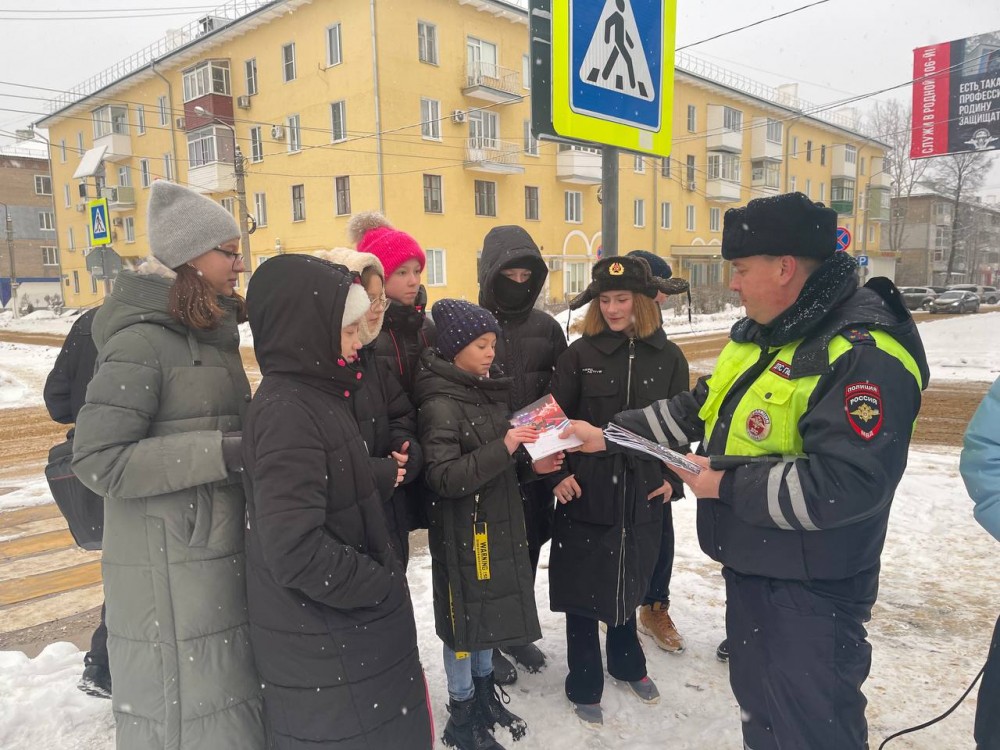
607,529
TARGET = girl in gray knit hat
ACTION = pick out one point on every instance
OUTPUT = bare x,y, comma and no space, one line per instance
159,439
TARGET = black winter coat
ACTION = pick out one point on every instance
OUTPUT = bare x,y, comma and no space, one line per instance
331,621
406,331
66,386
605,543
472,478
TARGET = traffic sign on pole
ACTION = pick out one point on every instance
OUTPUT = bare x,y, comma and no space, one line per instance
863,261
613,72
843,238
100,227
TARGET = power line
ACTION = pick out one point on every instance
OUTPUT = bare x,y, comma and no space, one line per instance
751,25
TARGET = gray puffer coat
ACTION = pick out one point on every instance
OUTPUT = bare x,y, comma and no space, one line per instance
149,439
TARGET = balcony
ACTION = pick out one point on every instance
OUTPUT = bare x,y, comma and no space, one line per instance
844,208
120,198
760,146
118,146
493,155
878,203
579,166
844,162
214,177
722,191
881,180
725,129
491,83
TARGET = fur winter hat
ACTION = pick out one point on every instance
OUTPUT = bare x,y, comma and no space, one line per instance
357,262
459,323
788,224
356,306
663,274
620,273
183,224
372,233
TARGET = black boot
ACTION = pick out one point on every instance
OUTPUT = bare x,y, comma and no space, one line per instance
528,656
504,672
466,728
491,698
722,652
96,680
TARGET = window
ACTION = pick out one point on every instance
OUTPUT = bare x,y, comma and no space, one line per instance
862,166
484,129
288,62
71,243
481,61
46,221
93,284
842,190
531,203
486,198
129,224
144,172
43,184
210,77
124,177
430,119
67,200
76,282
714,219
639,212
809,150
432,194
334,53
161,106
665,166
573,206
168,167
724,167
942,238
792,184
822,156
809,188
690,169
294,133
689,218
434,268
79,144
639,167
260,208
256,145
298,202
338,121
851,155
526,72
140,120
765,173
576,278
229,204
871,234
732,119
202,147
250,75
62,150
665,215
261,259
795,147
692,118
109,120
774,131
822,192
942,212
50,256
342,188
427,42
530,142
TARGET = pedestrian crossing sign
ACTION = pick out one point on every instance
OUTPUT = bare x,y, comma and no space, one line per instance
100,231
613,72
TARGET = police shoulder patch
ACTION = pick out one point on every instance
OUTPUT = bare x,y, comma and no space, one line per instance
863,407
858,336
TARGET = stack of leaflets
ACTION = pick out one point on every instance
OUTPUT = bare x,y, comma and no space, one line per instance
628,439
549,419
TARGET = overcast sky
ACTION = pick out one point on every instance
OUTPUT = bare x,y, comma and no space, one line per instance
836,49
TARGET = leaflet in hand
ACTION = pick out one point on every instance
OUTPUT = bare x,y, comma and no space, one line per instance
628,439
549,419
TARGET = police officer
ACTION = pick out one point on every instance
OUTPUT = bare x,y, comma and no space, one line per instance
804,427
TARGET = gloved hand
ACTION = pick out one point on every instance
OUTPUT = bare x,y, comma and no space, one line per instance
232,451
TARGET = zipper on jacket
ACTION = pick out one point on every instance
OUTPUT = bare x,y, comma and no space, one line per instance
621,559
628,384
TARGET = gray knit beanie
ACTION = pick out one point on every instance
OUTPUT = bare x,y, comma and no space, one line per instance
184,224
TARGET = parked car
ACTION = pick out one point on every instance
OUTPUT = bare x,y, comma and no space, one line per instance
988,295
955,301
917,297
938,289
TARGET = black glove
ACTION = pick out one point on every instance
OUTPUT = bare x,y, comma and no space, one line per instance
232,451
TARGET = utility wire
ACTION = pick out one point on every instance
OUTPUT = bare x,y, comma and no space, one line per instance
751,25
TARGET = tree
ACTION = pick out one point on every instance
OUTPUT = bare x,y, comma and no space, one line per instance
958,176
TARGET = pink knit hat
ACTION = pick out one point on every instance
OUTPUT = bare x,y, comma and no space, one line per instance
372,233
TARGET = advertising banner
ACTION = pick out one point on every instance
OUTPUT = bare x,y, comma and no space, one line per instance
956,96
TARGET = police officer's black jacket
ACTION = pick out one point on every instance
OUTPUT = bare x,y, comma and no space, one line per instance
605,543
332,626
66,386
406,331
462,420
822,516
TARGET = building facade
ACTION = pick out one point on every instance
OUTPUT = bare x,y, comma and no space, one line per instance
423,112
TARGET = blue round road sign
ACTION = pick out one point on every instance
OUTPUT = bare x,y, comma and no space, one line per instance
843,238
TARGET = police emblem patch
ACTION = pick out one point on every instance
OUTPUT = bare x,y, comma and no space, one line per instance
758,425
616,269
863,406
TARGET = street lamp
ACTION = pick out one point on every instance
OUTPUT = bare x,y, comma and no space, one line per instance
241,194
9,225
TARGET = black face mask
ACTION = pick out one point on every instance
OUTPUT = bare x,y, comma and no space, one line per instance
511,295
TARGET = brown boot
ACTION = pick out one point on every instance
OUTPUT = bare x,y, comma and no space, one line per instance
654,621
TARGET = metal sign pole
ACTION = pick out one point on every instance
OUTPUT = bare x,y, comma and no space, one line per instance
609,201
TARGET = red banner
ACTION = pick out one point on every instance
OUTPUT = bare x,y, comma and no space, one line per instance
931,98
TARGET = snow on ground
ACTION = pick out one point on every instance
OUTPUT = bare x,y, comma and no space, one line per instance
27,494
23,369
964,347
930,632
40,321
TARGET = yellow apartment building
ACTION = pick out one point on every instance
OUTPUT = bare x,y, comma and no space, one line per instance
422,109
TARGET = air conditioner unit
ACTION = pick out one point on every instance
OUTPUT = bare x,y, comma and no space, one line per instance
555,264
458,116
243,102
81,207
277,132
692,186
117,221
181,125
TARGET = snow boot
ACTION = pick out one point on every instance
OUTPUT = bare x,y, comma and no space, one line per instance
654,621
96,681
591,715
467,729
722,652
504,672
645,689
528,656
491,698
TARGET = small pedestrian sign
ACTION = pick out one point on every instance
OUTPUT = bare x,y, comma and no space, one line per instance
843,238
614,61
100,231
863,261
